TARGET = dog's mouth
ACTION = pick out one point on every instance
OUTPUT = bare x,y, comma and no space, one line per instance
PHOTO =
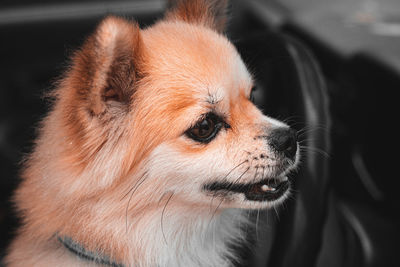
265,190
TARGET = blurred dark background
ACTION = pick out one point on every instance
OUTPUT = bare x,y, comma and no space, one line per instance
356,44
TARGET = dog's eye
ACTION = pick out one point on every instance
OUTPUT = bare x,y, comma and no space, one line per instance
206,129
251,98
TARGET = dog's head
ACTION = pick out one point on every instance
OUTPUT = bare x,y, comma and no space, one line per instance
168,109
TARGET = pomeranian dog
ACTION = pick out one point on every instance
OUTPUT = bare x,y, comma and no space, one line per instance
152,150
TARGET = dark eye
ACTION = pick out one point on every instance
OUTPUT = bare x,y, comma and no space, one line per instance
251,98
206,129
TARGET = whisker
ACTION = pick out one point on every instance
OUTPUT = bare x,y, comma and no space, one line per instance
289,119
315,150
255,175
133,190
212,200
293,190
145,173
215,211
162,216
240,177
162,196
235,168
308,140
292,194
310,129
277,214
248,218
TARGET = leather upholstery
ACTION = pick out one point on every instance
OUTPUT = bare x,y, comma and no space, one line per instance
317,227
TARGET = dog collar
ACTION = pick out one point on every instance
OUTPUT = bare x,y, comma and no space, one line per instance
84,254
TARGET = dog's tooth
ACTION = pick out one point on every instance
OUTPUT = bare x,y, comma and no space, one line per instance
266,188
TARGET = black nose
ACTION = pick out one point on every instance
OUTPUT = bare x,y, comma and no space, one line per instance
284,140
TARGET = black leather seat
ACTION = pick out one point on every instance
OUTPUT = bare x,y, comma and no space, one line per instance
293,87
316,227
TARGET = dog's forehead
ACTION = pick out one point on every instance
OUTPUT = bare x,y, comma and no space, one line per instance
193,56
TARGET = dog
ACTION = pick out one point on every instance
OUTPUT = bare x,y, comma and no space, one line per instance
152,150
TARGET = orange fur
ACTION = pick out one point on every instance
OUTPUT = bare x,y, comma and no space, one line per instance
206,13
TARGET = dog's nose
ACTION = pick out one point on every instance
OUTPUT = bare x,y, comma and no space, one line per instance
284,140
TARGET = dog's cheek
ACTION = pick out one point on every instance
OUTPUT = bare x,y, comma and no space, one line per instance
175,171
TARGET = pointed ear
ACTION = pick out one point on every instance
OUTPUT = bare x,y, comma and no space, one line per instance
209,13
107,67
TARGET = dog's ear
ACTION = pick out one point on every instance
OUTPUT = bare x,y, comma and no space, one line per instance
107,68
210,13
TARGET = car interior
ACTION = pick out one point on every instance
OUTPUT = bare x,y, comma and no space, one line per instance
344,205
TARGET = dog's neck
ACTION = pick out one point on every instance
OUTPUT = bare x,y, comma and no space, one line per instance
176,240
197,239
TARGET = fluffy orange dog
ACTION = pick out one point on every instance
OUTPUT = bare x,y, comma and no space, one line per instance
152,150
